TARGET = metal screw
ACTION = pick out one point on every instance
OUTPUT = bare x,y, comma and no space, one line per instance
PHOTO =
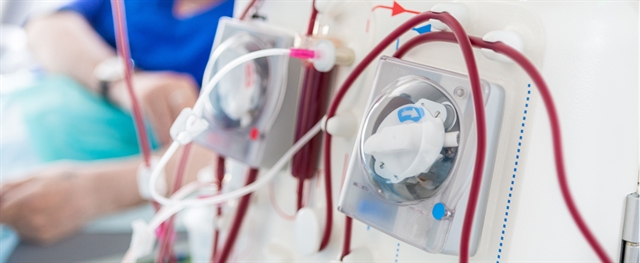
437,114
459,91
381,165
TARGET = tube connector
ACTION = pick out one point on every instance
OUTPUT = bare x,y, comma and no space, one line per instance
142,240
187,126
144,179
325,55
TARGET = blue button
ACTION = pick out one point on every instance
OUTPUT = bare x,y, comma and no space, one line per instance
438,211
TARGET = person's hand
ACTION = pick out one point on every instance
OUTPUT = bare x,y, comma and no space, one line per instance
48,206
162,96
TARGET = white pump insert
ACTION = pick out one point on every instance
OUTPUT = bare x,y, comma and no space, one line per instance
409,140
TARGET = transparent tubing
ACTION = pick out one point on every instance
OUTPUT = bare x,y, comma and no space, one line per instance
175,204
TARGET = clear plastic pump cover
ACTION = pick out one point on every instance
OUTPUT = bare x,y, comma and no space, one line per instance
402,145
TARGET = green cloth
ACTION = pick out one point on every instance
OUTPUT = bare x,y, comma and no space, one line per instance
65,121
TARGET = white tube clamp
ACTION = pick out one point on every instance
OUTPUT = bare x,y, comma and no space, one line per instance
458,10
509,38
187,126
144,179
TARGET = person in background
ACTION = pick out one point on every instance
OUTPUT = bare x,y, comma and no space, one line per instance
170,43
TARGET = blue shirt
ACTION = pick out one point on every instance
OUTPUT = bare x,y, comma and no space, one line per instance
158,39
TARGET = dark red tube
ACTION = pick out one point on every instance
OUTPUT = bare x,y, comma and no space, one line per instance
241,212
247,9
554,120
312,18
346,244
168,231
299,193
465,46
220,171
312,105
122,43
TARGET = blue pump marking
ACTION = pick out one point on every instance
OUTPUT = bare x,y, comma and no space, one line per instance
506,213
423,29
410,113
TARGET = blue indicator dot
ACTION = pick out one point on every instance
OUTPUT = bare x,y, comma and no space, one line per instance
500,250
527,105
503,234
518,156
498,256
527,98
524,118
529,85
508,201
525,111
500,243
507,207
509,195
519,144
518,150
528,92
438,211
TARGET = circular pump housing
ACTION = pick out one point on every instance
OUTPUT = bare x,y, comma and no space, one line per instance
238,99
409,142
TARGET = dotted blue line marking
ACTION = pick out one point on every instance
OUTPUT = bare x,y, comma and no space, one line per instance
397,251
515,170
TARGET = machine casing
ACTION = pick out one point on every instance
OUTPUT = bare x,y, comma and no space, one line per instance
270,133
412,221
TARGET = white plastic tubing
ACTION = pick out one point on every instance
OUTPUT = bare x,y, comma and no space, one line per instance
175,204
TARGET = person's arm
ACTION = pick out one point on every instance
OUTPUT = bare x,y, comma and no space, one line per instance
64,42
62,198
